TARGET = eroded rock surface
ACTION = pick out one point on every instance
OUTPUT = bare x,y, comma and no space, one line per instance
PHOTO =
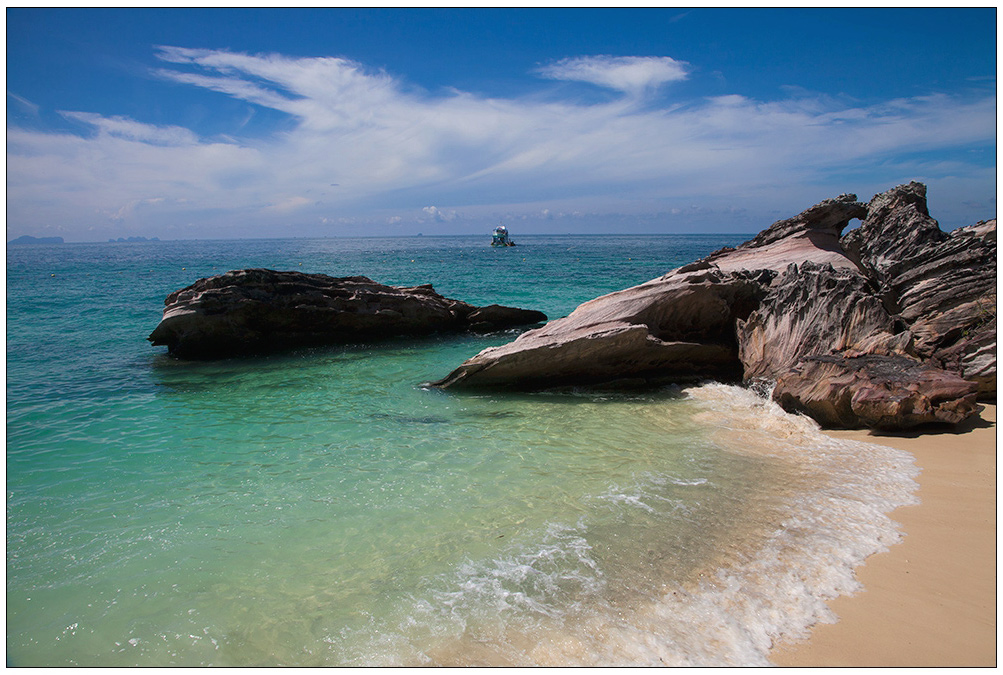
879,392
942,285
679,326
896,227
816,309
812,236
259,310
890,325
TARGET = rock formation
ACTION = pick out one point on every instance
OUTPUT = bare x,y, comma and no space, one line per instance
816,309
888,326
881,392
812,235
680,326
259,310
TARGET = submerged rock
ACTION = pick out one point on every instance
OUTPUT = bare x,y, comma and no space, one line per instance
260,310
799,305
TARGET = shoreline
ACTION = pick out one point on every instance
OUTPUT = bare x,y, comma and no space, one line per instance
929,601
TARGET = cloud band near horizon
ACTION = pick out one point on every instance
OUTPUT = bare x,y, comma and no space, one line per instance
365,147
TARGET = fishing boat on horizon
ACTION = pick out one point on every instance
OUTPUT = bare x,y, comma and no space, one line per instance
500,237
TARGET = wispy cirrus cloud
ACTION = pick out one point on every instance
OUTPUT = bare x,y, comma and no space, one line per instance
123,127
631,74
323,92
24,103
363,146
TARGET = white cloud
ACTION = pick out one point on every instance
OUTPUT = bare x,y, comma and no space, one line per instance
438,215
325,93
32,108
287,204
390,149
123,127
631,74
128,209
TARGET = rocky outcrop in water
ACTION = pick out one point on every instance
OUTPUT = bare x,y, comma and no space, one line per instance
678,327
889,326
258,310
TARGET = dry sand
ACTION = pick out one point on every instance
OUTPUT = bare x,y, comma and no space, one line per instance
930,600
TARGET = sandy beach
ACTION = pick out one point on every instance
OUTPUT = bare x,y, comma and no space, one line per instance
930,601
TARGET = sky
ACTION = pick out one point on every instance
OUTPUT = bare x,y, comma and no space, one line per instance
193,123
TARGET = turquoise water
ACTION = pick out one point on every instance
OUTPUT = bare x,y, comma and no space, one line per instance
322,507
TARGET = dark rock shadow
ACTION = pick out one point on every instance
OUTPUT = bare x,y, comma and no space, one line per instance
974,422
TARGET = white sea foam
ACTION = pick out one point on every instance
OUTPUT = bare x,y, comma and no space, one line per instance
835,517
561,601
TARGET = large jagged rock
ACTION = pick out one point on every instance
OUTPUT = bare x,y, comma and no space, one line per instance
259,310
888,393
947,288
816,309
896,227
974,358
937,292
678,326
812,236
829,217
942,285
890,326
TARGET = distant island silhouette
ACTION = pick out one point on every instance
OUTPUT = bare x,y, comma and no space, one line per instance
25,239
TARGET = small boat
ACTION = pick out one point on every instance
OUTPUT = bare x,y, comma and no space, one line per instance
500,237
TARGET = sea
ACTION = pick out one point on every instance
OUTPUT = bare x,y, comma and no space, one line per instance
325,507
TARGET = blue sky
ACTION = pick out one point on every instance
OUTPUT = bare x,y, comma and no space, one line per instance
220,123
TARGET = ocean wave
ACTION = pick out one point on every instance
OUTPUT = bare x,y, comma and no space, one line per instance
563,598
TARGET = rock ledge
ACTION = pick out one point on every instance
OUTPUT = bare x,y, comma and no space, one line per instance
260,310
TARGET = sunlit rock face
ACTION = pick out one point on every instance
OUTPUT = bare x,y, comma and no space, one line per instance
799,305
888,393
943,285
680,326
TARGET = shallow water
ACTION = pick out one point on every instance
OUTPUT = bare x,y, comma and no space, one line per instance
323,508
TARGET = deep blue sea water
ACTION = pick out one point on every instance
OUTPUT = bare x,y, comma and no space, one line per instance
321,507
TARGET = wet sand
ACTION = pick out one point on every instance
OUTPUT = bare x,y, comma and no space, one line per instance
930,601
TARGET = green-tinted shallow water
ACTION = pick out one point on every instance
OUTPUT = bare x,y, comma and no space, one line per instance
323,508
